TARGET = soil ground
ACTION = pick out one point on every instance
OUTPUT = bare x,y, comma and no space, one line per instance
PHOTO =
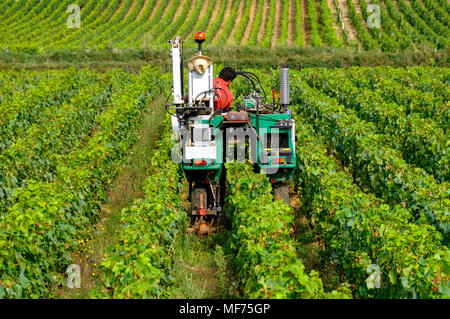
306,25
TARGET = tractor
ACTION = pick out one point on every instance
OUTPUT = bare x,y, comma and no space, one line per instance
253,129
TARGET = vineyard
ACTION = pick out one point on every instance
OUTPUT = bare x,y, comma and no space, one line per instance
371,182
94,205
385,25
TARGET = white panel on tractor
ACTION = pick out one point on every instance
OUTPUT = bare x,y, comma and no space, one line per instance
199,83
201,134
201,152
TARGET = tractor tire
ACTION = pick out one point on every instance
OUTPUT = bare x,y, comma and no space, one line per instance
196,193
281,192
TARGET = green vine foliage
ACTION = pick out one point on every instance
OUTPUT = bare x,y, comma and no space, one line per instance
48,219
372,175
360,230
139,265
265,253
129,27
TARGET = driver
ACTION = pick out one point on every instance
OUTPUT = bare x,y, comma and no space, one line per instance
223,97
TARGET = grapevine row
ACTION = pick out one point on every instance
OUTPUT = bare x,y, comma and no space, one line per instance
139,265
36,155
421,141
378,168
45,222
265,253
25,107
326,21
427,103
361,232
37,27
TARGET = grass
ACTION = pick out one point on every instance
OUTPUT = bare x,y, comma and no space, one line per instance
202,270
194,270
124,190
201,267
238,57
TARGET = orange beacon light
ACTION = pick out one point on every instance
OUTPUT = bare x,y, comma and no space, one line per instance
200,37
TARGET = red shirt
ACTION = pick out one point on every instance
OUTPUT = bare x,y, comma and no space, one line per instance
226,97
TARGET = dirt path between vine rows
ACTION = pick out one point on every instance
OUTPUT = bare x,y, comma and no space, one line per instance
224,19
334,16
265,16
205,5
203,10
165,12
202,269
251,19
347,23
291,25
359,12
193,6
319,18
239,14
130,10
180,9
277,23
118,9
306,25
144,7
214,15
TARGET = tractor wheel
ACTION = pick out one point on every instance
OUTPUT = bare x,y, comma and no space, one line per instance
197,193
281,191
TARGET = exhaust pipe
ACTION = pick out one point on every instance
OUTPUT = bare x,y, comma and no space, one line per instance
285,99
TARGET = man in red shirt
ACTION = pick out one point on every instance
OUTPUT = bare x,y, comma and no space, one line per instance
223,97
